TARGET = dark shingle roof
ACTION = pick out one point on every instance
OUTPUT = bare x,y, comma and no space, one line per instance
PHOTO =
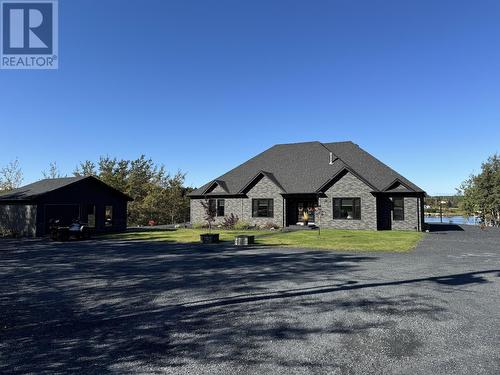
304,168
36,189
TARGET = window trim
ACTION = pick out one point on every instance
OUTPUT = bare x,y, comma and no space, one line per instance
255,213
402,217
354,206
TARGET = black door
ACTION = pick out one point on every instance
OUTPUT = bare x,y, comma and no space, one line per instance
384,213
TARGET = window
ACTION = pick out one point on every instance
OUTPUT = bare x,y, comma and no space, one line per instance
347,208
91,216
262,208
220,207
109,216
398,208
216,206
212,206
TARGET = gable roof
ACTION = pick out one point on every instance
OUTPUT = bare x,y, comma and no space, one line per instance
306,167
42,187
257,178
213,185
398,186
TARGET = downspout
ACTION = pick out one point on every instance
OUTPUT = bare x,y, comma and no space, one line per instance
418,215
422,212
284,210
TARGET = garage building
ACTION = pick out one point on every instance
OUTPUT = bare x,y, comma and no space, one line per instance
29,210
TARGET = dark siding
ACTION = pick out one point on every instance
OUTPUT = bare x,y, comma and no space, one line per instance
84,193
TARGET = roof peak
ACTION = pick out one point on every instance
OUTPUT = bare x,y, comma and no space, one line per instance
312,142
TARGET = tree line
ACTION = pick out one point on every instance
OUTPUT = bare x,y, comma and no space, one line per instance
162,197
452,201
158,196
481,192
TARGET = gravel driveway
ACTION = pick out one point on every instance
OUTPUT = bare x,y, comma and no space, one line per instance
134,307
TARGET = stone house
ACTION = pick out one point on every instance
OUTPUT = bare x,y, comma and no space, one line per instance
335,185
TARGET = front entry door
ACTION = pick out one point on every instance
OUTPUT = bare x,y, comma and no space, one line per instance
305,207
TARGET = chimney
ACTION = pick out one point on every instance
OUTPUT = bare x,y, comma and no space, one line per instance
331,158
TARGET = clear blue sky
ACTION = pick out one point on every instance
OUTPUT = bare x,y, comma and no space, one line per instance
202,86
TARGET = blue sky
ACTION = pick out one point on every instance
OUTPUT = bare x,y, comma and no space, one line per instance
202,86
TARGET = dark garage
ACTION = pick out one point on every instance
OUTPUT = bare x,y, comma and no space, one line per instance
29,210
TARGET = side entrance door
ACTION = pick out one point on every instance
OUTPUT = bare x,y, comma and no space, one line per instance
384,213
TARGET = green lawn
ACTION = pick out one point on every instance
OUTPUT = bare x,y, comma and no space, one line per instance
330,239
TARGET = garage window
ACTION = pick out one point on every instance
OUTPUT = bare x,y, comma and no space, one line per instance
109,216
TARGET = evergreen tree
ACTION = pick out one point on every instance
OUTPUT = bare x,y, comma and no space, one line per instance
481,193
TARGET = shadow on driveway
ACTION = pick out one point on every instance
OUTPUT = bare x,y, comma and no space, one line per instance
104,306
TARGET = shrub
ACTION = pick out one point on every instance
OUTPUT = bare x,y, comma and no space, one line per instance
270,226
199,226
210,213
230,222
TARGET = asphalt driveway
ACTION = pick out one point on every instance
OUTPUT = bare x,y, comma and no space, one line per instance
132,307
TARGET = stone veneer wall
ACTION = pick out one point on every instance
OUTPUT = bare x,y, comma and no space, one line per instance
242,207
349,186
410,221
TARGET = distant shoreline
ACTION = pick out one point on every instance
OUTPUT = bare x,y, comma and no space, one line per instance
445,214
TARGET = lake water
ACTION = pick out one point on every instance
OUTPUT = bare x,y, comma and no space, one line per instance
463,220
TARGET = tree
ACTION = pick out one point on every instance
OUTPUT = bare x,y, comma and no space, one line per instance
53,171
11,176
176,197
87,168
157,195
209,213
481,193
114,172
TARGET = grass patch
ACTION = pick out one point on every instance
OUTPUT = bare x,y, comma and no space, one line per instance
183,235
330,239
348,240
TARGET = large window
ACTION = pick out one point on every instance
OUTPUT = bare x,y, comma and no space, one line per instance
347,208
398,208
262,208
217,206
